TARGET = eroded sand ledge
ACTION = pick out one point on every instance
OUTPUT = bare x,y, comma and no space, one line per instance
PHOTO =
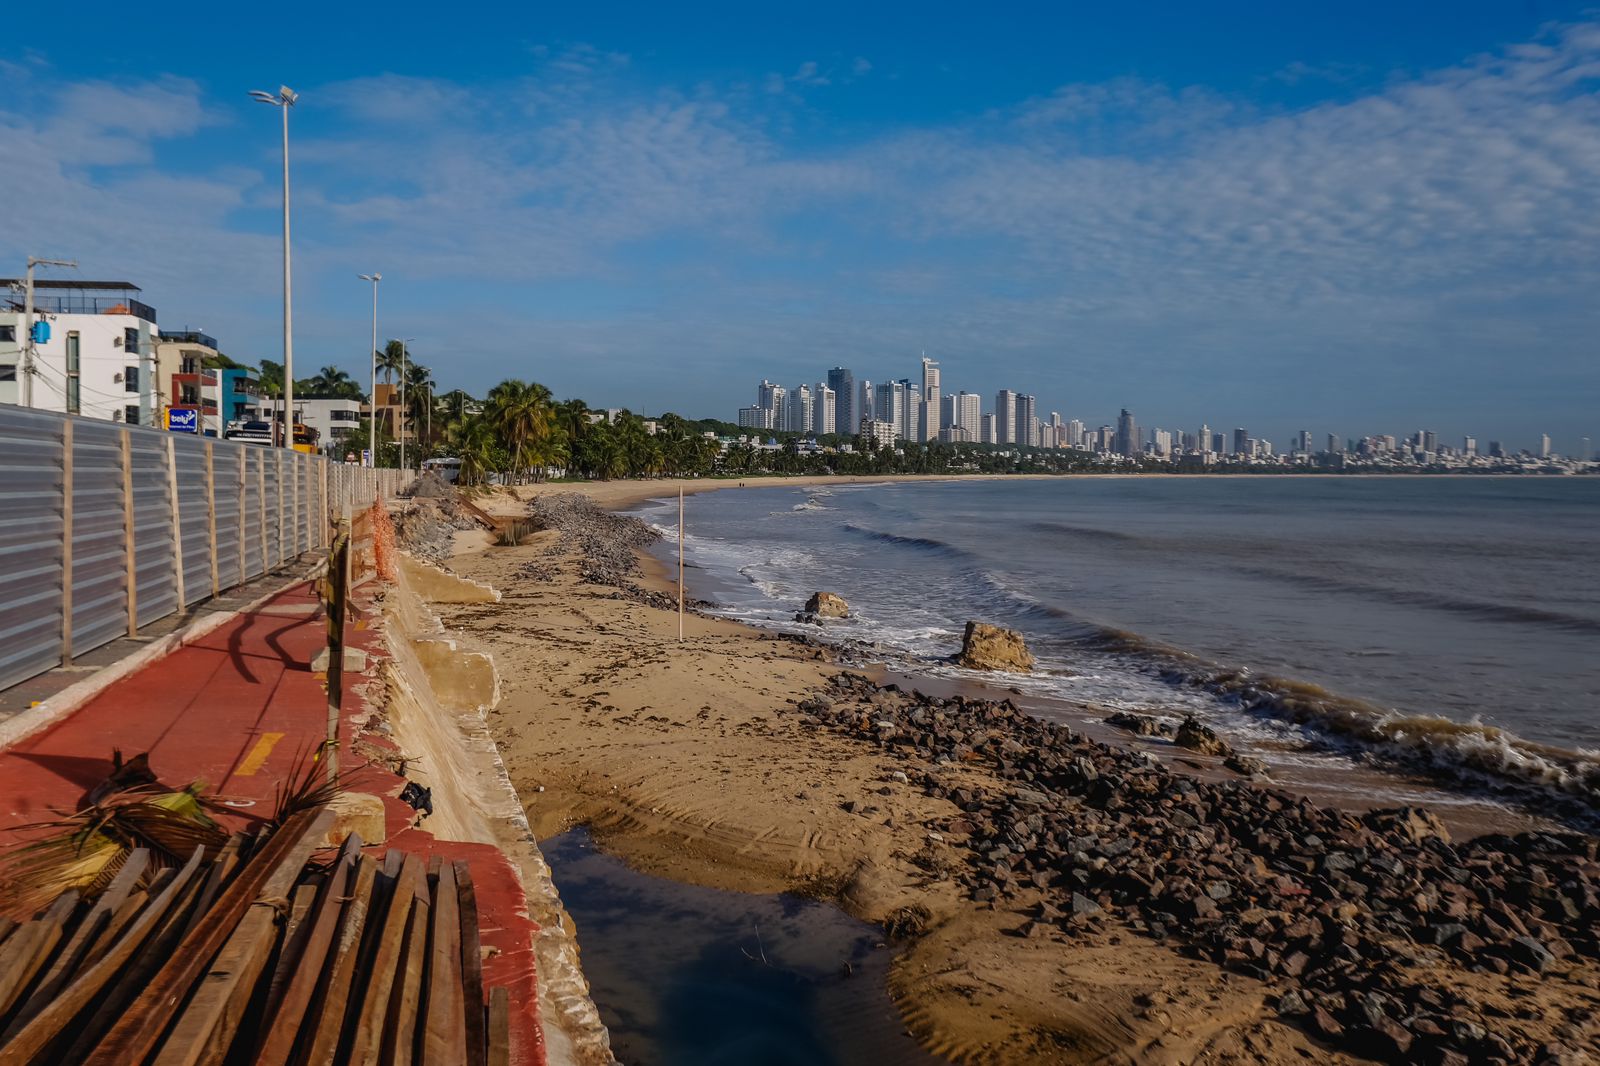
683,761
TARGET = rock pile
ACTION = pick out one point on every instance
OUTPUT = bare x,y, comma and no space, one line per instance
987,647
1360,924
605,542
427,527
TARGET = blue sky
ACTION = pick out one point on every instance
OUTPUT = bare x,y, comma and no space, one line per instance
1365,218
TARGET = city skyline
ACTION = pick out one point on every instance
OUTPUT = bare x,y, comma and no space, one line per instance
1304,225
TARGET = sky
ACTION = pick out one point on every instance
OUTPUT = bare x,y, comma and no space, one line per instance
1351,218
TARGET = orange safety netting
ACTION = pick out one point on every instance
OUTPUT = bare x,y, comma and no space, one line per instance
384,551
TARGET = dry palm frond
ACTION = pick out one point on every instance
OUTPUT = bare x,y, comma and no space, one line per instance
306,786
86,849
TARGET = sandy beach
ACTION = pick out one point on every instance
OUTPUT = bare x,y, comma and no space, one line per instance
692,760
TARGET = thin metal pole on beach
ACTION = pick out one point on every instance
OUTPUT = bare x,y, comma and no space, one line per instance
680,562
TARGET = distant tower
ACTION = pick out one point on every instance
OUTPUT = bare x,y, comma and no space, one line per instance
1127,442
928,411
1005,417
843,384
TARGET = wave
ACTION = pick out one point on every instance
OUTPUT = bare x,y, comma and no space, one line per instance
1484,755
900,540
1489,610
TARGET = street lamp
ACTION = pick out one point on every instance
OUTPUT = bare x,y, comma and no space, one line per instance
372,425
284,99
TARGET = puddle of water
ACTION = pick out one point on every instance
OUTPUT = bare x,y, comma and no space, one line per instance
688,975
509,531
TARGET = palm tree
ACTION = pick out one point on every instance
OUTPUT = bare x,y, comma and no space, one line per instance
474,442
391,357
524,416
419,399
331,381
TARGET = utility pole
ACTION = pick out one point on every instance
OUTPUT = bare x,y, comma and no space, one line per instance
372,407
283,100
27,324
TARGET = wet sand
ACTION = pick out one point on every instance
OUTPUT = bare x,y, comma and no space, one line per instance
683,759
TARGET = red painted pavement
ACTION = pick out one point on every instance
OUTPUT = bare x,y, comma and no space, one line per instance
201,711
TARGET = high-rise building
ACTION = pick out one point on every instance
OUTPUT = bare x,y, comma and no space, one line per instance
769,398
1161,442
1203,438
1058,431
1127,442
1219,443
1544,445
928,412
755,418
1241,441
843,384
1469,446
1027,425
1005,417
1333,444
865,407
1077,435
824,410
988,429
1497,449
891,398
1302,442
880,434
911,396
799,408
1585,450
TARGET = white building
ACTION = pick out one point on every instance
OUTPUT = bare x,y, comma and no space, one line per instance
756,418
797,418
333,419
824,410
928,407
93,356
880,433
1005,417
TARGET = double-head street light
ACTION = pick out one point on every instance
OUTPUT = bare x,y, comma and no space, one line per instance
372,424
284,99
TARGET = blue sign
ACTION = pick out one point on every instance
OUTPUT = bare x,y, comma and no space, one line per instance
41,333
183,420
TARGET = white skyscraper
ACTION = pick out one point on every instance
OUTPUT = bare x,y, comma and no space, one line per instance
910,412
824,411
866,408
798,419
928,411
1077,435
969,413
1027,422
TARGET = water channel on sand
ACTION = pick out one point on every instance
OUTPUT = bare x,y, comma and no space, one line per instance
685,975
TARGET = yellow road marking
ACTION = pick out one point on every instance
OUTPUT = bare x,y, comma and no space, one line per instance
258,754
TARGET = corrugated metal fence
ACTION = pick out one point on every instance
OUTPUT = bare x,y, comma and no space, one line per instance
105,527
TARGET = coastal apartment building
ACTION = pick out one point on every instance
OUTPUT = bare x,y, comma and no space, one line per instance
93,353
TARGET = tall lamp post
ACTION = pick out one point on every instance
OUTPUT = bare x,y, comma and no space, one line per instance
372,425
283,100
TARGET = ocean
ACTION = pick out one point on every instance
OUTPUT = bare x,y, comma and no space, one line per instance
1443,624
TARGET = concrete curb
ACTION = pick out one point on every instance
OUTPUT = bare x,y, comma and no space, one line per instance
47,713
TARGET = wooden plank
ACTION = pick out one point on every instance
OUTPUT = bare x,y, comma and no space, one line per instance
222,867
205,1029
367,1046
405,1005
295,980
177,523
499,1027
66,541
134,1035
471,967
120,919
31,948
50,1022
79,948
131,570
211,515
336,992
444,1033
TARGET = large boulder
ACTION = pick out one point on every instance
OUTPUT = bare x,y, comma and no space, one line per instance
823,605
987,647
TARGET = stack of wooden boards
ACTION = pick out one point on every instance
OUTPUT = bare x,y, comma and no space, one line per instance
256,954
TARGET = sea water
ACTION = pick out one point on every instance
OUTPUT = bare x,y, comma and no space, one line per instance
1448,622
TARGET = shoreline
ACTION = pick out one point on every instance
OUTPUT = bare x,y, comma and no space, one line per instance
689,761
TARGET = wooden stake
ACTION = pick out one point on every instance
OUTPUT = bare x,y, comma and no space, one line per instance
211,517
131,567
177,523
680,562
66,543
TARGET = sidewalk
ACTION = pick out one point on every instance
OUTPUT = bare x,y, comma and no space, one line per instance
235,710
